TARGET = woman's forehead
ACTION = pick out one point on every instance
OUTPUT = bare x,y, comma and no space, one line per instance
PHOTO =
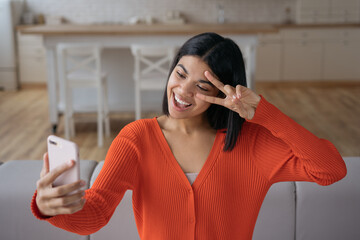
193,64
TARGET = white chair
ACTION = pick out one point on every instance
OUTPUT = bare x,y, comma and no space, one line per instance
151,69
80,67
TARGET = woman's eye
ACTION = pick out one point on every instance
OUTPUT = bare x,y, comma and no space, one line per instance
202,89
180,75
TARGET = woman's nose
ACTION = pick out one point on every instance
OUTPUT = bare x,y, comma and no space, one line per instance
187,88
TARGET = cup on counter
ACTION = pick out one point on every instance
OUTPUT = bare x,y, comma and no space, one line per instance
149,20
53,20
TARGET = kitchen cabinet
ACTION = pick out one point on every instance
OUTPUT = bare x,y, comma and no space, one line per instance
32,59
302,54
317,54
342,59
302,61
268,57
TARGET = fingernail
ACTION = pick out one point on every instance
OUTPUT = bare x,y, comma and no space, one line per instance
239,95
70,163
234,97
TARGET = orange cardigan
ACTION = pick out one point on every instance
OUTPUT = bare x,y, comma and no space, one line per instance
225,199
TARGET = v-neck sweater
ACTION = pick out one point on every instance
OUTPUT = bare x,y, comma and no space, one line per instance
225,199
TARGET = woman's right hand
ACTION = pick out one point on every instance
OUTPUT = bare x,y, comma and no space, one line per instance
53,201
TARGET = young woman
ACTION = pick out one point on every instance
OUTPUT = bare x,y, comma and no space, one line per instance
202,170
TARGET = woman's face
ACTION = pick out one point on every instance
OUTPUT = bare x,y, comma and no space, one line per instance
185,81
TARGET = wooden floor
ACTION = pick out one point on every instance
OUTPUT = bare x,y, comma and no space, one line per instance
330,111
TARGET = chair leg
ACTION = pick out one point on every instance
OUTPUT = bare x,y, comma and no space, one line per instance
137,101
67,115
100,116
106,109
71,114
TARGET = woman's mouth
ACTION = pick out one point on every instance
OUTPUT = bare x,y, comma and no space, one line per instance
179,104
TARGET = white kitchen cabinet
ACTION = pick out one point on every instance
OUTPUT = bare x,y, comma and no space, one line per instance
32,59
342,55
342,60
302,54
302,61
268,65
309,54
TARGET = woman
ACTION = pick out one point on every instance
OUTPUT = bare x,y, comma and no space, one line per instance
214,129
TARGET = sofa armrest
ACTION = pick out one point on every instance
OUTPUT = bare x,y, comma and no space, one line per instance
330,212
122,223
17,186
276,218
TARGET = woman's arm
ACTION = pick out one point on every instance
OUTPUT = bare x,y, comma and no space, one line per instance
286,151
282,149
118,174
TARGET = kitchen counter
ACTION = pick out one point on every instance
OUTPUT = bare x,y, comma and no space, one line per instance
144,29
168,29
330,25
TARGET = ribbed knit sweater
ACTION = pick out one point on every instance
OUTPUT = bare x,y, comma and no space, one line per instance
225,199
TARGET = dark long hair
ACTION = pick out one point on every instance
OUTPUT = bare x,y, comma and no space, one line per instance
225,59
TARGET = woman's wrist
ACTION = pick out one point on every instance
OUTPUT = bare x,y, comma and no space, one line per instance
257,101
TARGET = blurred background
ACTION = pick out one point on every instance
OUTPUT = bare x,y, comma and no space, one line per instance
307,64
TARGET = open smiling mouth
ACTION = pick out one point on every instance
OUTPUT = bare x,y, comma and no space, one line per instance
181,105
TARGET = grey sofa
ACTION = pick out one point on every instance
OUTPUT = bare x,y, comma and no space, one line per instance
291,210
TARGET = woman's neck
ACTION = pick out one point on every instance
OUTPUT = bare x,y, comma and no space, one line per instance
186,126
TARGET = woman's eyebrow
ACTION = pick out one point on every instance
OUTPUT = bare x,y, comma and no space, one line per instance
206,82
182,66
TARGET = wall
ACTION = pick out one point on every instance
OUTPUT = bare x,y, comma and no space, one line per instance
204,11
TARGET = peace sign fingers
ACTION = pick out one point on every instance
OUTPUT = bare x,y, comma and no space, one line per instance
238,99
219,85
211,99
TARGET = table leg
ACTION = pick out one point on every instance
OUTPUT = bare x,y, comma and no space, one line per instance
52,87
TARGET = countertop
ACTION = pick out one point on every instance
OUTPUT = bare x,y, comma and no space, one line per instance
167,29
143,29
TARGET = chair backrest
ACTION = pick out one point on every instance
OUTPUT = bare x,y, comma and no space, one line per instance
79,63
152,61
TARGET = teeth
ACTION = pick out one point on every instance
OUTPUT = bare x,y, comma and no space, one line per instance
181,102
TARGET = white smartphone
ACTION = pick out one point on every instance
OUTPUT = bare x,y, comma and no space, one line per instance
61,151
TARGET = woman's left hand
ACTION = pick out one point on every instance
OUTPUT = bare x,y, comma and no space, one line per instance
238,99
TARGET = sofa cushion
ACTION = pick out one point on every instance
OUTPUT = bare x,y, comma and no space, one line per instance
276,218
122,223
17,185
331,212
